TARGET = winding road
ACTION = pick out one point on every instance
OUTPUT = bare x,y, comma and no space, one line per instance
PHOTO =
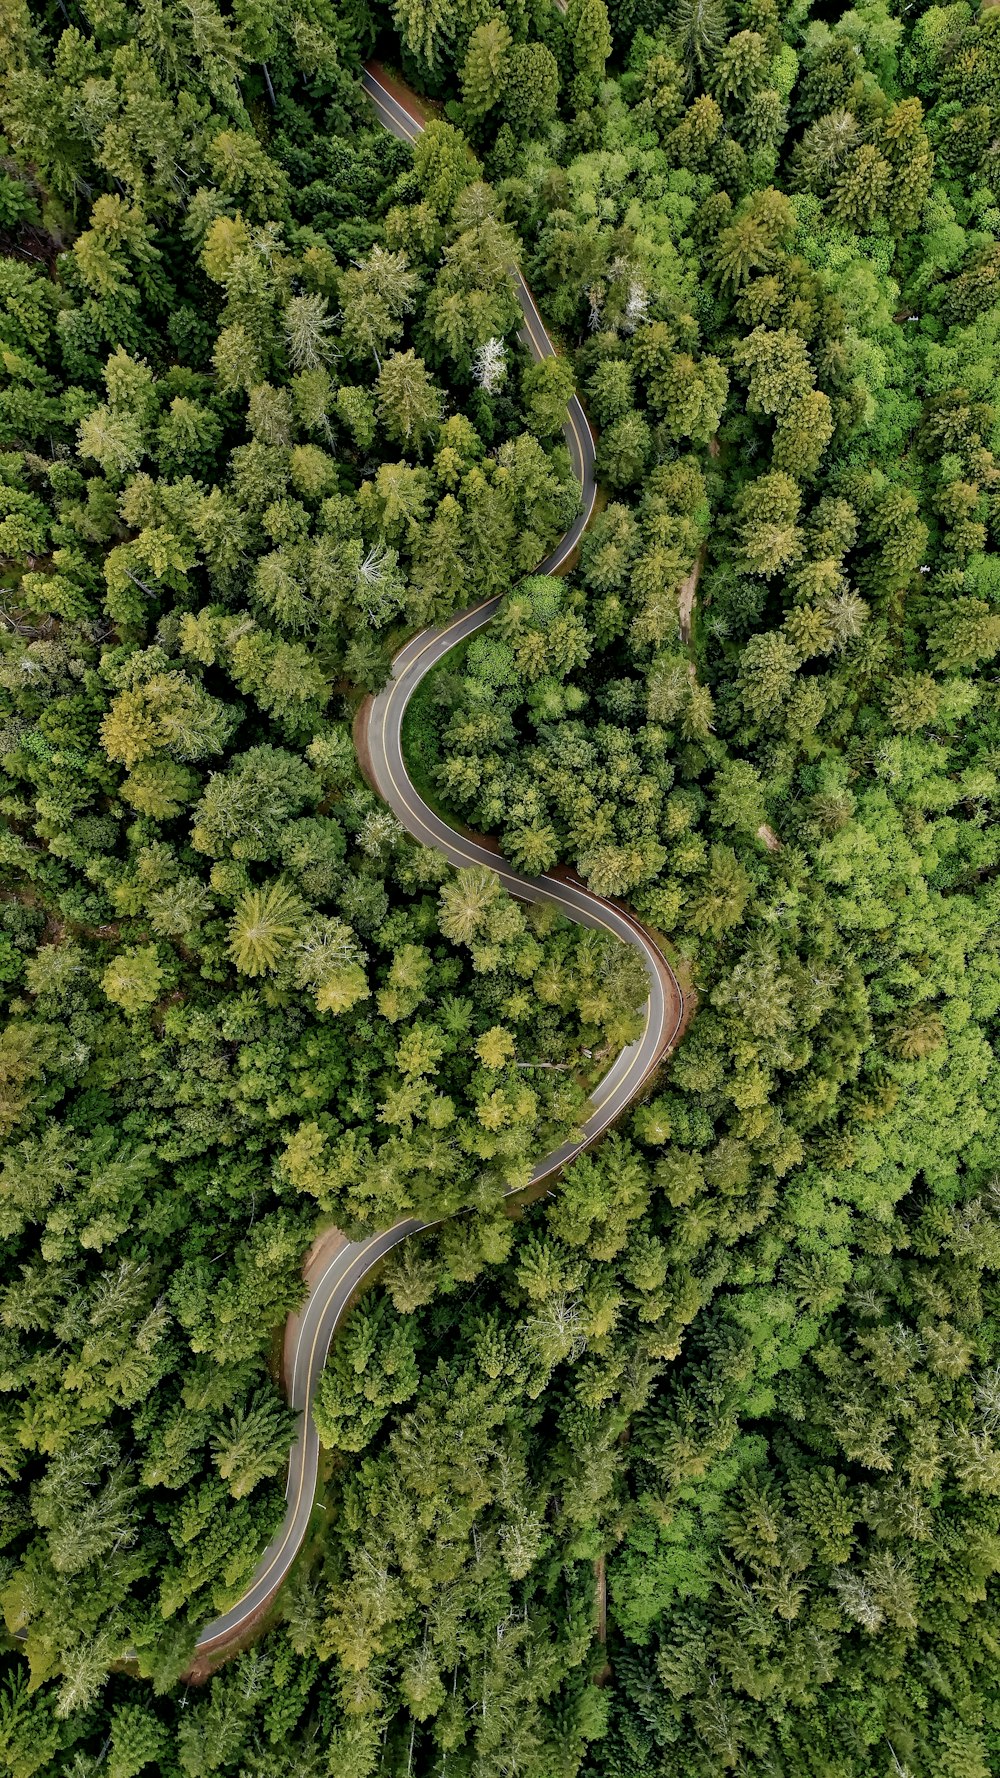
337,1267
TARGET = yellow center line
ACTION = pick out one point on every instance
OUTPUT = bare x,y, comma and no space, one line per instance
362,1263
291,1515
605,925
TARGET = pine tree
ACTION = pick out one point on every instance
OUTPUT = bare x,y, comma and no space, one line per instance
861,189
443,166
138,1739
532,88
699,30
168,713
307,324
590,39
965,632
769,536
409,404
135,979
721,897
253,1443
825,148
424,26
484,68
375,295
265,924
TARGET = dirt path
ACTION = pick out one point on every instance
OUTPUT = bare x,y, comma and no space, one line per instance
686,597
603,1674
601,1591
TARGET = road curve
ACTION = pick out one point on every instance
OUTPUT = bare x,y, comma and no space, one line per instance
340,1273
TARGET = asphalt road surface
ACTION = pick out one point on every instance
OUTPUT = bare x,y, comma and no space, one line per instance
338,1276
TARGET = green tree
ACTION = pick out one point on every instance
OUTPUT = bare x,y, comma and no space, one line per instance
484,69
443,166
767,511
409,405
253,1444
138,1739
265,922
699,29
548,386
375,296
531,89
134,979
590,39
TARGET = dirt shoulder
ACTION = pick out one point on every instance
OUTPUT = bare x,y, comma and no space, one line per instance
402,94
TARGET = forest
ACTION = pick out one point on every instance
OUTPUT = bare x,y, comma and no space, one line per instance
685,1462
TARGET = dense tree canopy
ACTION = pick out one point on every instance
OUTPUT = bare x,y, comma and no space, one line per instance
693,1467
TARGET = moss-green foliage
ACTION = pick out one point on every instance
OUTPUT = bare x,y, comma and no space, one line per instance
244,449
266,414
